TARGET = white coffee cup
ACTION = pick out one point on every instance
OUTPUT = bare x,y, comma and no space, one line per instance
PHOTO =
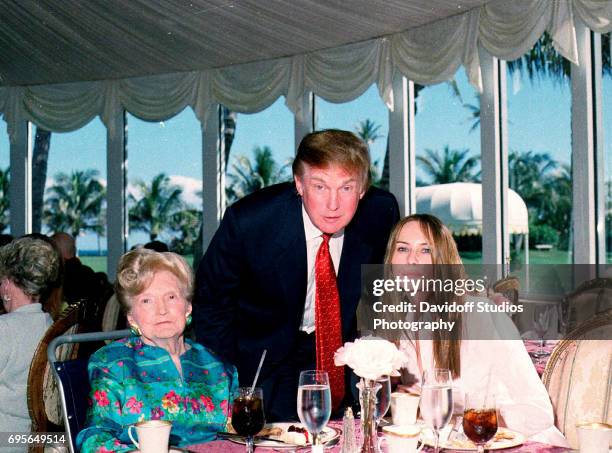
594,437
153,436
402,439
404,408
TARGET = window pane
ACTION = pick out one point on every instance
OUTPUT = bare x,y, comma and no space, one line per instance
261,152
607,133
5,157
540,152
448,160
76,177
367,116
165,181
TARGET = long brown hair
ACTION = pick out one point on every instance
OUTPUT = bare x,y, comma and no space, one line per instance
447,345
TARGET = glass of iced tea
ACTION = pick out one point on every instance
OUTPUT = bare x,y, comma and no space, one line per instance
248,414
480,418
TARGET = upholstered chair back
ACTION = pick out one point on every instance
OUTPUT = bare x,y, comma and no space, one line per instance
578,376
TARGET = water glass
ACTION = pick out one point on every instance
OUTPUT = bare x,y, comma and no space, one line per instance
314,404
436,401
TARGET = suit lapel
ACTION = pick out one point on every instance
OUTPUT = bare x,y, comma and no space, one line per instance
291,258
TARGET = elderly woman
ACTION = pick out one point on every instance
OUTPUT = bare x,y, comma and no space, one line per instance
422,242
29,268
156,374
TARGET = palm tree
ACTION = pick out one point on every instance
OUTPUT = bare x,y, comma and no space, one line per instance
383,181
158,202
557,211
474,113
367,130
452,166
248,176
74,202
228,121
542,60
5,183
187,223
528,172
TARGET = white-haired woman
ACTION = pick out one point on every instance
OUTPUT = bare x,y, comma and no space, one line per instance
156,374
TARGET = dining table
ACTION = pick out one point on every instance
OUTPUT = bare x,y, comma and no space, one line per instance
539,361
227,446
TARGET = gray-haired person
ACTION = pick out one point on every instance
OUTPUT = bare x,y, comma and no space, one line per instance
29,268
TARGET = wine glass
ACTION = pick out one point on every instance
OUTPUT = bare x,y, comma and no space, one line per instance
542,314
314,404
479,418
383,398
247,414
437,401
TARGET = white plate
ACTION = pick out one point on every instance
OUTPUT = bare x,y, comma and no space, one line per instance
467,445
329,433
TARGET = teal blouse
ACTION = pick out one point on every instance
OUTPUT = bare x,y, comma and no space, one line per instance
132,382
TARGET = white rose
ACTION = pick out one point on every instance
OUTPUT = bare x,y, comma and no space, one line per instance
371,357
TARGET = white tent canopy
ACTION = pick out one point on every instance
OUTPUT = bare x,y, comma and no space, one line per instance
245,55
459,206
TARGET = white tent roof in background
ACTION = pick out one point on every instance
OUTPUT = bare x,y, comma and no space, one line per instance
459,206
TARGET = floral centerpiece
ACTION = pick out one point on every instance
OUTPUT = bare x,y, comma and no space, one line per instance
371,358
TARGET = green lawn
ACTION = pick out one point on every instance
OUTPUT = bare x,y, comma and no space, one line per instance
535,257
97,263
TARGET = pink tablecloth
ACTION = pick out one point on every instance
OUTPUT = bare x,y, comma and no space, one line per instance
225,446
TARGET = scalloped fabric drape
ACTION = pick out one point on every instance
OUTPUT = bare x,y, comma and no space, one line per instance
427,55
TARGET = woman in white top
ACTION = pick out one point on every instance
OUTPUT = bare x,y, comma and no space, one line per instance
503,363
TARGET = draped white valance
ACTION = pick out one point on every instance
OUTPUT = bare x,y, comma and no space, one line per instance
427,55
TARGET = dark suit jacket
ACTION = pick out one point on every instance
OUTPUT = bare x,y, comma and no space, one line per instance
251,282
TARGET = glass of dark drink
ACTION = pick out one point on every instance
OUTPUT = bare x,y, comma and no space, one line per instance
480,419
248,414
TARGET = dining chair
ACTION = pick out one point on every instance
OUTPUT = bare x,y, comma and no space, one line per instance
578,376
110,317
589,298
509,287
73,380
42,393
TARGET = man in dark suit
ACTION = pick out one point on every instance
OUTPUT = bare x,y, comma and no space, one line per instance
267,281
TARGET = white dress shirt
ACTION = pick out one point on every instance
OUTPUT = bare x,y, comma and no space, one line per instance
313,242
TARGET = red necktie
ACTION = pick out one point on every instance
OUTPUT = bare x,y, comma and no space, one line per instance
328,324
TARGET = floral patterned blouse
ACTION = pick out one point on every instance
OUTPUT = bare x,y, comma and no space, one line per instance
132,382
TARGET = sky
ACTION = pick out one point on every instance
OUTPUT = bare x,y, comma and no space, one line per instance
538,111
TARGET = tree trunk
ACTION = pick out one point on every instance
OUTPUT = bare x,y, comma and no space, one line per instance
40,159
228,128
384,179
228,124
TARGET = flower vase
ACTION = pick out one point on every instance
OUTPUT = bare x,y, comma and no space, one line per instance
367,398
